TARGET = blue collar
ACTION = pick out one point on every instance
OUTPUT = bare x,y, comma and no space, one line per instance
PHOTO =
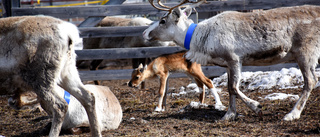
67,96
188,37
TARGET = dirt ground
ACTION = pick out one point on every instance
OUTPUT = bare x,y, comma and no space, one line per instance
140,120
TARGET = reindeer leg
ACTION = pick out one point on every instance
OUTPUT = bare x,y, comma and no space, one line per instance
234,75
71,82
202,95
310,79
162,90
55,105
203,88
43,83
165,95
203,80
218,105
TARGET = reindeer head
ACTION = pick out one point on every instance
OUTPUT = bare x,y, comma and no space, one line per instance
137,76
172,25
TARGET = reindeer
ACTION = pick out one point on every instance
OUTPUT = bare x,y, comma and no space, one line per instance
109,110
37,53
232,39
161,67
121,42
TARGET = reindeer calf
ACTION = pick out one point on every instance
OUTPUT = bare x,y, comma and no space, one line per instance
161,67
108,110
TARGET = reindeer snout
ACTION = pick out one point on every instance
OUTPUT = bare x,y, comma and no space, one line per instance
11,102
132,85
129,84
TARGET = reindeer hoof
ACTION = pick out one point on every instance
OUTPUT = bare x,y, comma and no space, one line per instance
229,116
290,117
159,109
220,107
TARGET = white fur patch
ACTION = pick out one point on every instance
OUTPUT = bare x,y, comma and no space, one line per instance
68,30
148,30
198,57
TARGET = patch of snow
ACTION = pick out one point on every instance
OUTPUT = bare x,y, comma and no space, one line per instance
192,88
281,96
197,105
193,105
283,79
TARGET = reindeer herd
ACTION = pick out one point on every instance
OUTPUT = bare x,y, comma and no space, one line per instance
38,60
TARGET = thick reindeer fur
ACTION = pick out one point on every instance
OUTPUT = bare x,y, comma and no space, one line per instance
161,66
108,108
37,53
232,39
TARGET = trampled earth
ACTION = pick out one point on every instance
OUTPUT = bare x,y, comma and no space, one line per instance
140,120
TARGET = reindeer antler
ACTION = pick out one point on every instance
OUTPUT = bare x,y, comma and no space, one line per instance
169,9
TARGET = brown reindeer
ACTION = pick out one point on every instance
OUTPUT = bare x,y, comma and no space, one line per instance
161,67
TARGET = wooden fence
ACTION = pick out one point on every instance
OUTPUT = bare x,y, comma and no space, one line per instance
95,13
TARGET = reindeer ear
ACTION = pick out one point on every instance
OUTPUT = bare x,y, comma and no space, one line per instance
187,11
143,68
140,66
176,13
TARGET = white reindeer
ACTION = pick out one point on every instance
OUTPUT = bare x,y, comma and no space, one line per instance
232,39
108,108
37,53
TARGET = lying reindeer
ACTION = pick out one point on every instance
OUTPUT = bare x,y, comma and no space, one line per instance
232,39
161,67
109,110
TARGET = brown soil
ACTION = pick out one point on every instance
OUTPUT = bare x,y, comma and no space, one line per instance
140,120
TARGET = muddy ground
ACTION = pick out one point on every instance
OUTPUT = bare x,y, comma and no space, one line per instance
140,120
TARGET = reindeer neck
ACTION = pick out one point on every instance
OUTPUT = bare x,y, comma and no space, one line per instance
181,32
199,35
148,73
188,36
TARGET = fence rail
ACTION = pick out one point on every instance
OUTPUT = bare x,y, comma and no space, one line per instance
94,32
133,9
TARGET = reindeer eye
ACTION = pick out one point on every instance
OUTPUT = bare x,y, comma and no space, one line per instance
136,77
162,21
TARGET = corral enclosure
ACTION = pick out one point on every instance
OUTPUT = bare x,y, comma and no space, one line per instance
95,13
138,113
